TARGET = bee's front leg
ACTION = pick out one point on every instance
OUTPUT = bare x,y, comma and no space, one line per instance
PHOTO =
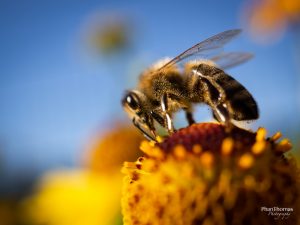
164,108
146,134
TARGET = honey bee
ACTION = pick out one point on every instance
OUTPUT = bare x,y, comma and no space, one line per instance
164,88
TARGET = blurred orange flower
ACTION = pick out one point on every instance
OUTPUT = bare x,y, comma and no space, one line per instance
107,152
269,18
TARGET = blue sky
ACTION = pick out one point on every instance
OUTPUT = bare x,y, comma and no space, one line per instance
55,94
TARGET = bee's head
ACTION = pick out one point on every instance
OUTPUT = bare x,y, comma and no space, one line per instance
132,103
138,108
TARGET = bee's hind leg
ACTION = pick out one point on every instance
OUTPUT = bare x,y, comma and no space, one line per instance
222,114
167,117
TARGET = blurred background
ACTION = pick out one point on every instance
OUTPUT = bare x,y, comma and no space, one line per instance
64,66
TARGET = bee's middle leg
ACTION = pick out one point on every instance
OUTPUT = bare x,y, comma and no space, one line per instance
222,114
189,116
164,108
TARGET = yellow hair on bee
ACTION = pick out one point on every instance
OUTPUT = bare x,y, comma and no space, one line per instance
160,63
194,63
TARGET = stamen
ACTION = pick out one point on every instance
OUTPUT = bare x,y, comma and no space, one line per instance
261,134
276,136
246,161
227,146
259,147
284,146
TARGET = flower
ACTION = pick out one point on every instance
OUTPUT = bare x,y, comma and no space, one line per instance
106,154
267,18
90,194
204,174
74,197
110,35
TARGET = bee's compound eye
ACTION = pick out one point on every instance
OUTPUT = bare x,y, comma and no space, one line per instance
132,102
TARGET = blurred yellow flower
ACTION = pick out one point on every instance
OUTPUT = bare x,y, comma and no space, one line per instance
203,175
269,18
89,195
74,197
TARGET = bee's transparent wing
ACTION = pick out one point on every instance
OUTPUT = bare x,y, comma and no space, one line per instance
227,60
210,46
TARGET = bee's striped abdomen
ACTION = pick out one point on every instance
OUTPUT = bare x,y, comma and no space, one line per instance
241,101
